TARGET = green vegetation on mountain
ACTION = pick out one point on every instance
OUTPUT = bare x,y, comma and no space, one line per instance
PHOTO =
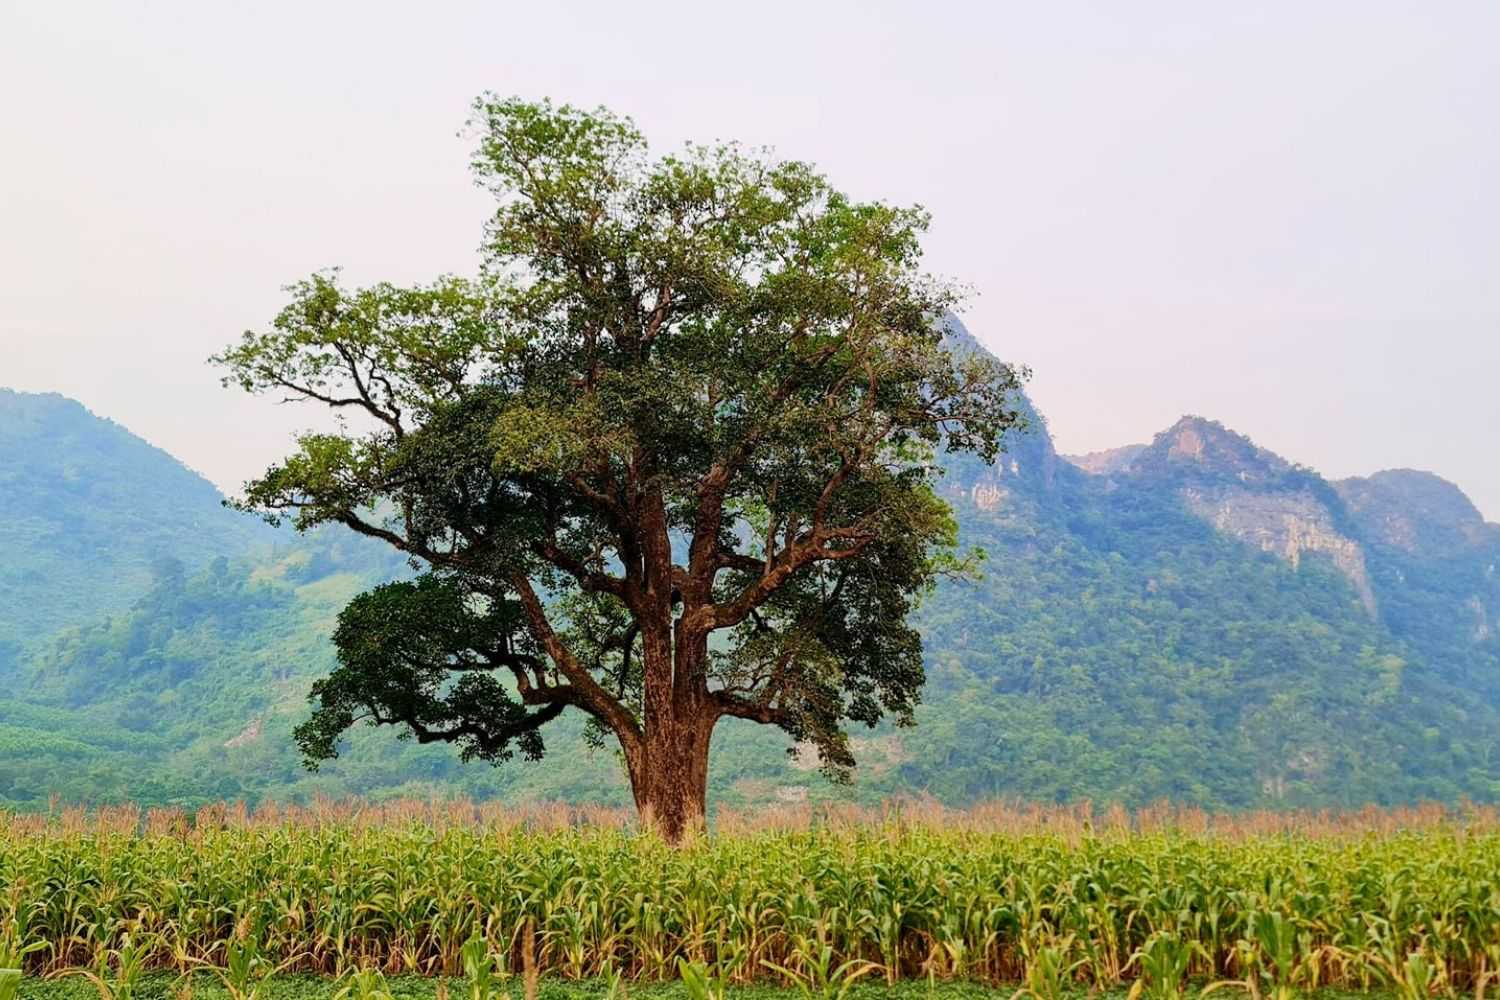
88,513
1133,653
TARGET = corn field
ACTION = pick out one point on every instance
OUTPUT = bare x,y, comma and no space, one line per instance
1053,899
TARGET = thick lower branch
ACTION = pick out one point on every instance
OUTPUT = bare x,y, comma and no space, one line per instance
811,549
588,693
587,579
498,736
756,710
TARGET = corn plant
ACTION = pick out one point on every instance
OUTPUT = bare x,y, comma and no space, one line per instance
820,976
116,974
1163,962
246,969
1049,968
364,984
14,949
1416,977
699,982
484,970
614,982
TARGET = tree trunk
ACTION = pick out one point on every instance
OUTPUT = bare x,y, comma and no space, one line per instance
670,780
669,775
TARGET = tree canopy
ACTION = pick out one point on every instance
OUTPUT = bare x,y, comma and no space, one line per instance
669,457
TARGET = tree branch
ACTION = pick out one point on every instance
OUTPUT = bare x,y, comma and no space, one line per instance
589,694
392,417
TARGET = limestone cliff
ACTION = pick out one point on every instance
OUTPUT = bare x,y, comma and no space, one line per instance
1429,532
1401,532
1287,524
1256,496
1029,464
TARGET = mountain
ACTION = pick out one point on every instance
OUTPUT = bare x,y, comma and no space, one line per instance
1194,618
1248,493
1416,512
1207,624
141,621
89,513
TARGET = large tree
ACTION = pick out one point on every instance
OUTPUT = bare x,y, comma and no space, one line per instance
670,458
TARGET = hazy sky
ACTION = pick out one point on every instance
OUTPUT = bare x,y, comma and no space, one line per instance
1281,215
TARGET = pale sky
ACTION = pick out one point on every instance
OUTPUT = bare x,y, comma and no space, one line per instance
1283,216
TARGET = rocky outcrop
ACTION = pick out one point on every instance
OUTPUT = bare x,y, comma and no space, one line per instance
1028,454
1197,447
990,492
1482,627
1414,520
1287,524
248,735
988,495
876,754
1254,495
1107,462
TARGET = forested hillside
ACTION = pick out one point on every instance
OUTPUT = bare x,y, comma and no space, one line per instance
1191,618
1197,628
89,511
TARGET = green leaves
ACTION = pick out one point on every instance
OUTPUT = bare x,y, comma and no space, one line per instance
484,969
383,350
702,393
401,646
556,441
